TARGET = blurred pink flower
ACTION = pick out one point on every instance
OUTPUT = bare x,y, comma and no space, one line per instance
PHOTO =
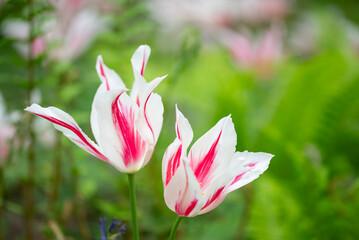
126,128
72,40
66,34
198,182
255,53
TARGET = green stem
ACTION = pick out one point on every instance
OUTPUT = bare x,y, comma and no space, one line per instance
174,228
131,184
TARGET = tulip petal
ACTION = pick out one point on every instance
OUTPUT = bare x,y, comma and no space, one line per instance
178,149
120,139
110,81
183,194
150,115
139,61
171,161
247,166
215,193
211,154
68,126
109,77
140,57
244,168
215,199
153,109
183,130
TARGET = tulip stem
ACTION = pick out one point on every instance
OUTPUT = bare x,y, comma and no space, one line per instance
174,228
131,184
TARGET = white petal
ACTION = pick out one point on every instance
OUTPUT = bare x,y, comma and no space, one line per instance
152,121
139,62
151,110
68,126
215,193
110,81
109,77
171,161
154,113
183,130
183,194
214,199
211,155
119,137
247,166
139,58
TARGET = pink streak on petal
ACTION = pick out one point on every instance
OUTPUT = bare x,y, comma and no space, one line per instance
144,113
188,210
87,148
77,131
213,198
251,165
239,177
138,101
191,207
133,147
143,63
104,75
173,164
178,133
204,167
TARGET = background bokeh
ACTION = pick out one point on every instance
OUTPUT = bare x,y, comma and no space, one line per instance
286,71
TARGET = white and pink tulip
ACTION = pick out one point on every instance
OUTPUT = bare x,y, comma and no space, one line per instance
126,127
197,182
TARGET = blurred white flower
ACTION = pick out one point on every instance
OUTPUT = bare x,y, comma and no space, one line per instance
212,17
305,36
214,13
352,34
203,13
20,30
7,131
256,11
312,30
45,132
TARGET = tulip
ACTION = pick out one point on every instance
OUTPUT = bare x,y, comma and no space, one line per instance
198,182
126,128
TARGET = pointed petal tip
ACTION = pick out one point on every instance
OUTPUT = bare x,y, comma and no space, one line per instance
160,79
31,107
227,119
99,59
178,112
144,46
